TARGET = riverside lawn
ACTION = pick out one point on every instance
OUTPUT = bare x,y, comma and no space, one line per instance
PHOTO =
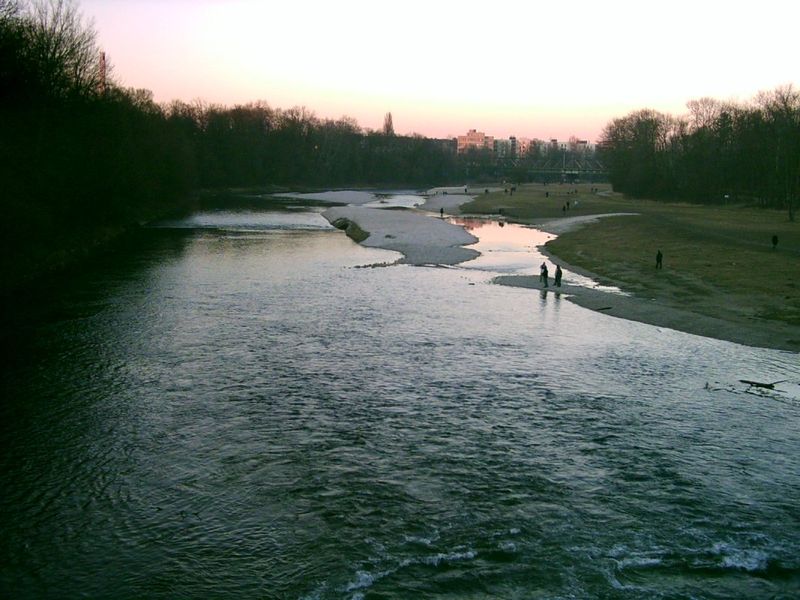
718,260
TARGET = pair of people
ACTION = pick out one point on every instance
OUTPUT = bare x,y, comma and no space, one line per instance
543,275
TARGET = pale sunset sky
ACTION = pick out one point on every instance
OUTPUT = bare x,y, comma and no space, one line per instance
530,69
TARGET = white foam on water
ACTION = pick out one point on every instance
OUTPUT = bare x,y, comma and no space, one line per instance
415,539
363,580
248,221
618,551
745,559
449,557
638,561
341,196
507,546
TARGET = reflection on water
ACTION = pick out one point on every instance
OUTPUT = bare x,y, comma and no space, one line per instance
509,248
230,415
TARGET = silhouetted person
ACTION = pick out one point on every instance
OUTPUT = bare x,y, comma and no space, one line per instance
659,260
543,274
558,276
774,242
441,212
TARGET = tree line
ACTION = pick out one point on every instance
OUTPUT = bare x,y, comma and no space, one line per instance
255,144
719,152
82,158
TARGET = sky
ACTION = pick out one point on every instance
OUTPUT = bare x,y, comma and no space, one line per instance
526,68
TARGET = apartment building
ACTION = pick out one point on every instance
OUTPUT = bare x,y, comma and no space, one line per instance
475,139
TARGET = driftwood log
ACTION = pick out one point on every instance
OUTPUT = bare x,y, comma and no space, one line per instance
759,384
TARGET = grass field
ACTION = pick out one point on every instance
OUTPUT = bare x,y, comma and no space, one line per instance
718,260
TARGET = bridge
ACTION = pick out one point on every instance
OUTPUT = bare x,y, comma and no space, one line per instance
567,169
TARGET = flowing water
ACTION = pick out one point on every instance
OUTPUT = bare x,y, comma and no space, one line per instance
237,409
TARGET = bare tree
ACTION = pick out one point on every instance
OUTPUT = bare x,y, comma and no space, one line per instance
781,108
388,127
703,112
63,47
9,9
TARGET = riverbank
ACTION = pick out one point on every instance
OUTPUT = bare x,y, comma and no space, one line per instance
52,254
426,240
730,324
722,277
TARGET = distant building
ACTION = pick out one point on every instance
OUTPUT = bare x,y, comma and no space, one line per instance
474,139
517,148
523,146
579,147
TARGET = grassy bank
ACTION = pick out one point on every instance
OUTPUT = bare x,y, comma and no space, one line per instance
718,261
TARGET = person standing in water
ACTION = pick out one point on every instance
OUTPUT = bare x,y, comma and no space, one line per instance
543,274
558,275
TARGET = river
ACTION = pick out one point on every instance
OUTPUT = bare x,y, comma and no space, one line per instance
241,407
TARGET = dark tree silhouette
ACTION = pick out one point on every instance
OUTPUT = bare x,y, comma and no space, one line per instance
388,126
719,152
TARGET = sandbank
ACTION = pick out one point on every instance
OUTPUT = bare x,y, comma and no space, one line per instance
423,239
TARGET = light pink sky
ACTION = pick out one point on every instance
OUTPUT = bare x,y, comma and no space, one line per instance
441,67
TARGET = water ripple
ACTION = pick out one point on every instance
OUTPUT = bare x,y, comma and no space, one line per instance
252,417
